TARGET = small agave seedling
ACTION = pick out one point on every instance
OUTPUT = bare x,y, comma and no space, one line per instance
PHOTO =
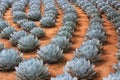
81,68
3,24
64,76
62,42
50,53
9,58
113,76
38,32
32,69
1,46
28,25
90,52
6,32
16,36
28,43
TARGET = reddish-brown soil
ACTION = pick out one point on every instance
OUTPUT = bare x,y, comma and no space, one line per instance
103,68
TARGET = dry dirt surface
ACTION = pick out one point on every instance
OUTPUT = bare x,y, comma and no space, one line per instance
103,68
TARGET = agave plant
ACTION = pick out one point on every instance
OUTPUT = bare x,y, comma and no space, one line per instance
113,76
97,34
16,36
19,15
9,58
88,51
38,32
3,24
1,16
62,42
28,43
117,25
67,28
32,69
64,76
70,17
1,46
69,23
66,34
96,19
94,42
47,22
34,15
116,19
81,68
50,53
118,55
117,66
2,9
20,22
28,25
5,33
96,26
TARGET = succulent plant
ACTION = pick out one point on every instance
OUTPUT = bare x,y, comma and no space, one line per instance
67,28
20,22
69,23
49,14
19,15
2,9
28,25
117,25
32,69
95,42
47,22
113,76
16,36
38,32
117,66
5,33
96,19
9,58
118,54
70,17
50,53
116,19
1,46
3,24
1,16
34,15
81,68
88,51
65,34
64,76
96,26
28,43
97,34
62,42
